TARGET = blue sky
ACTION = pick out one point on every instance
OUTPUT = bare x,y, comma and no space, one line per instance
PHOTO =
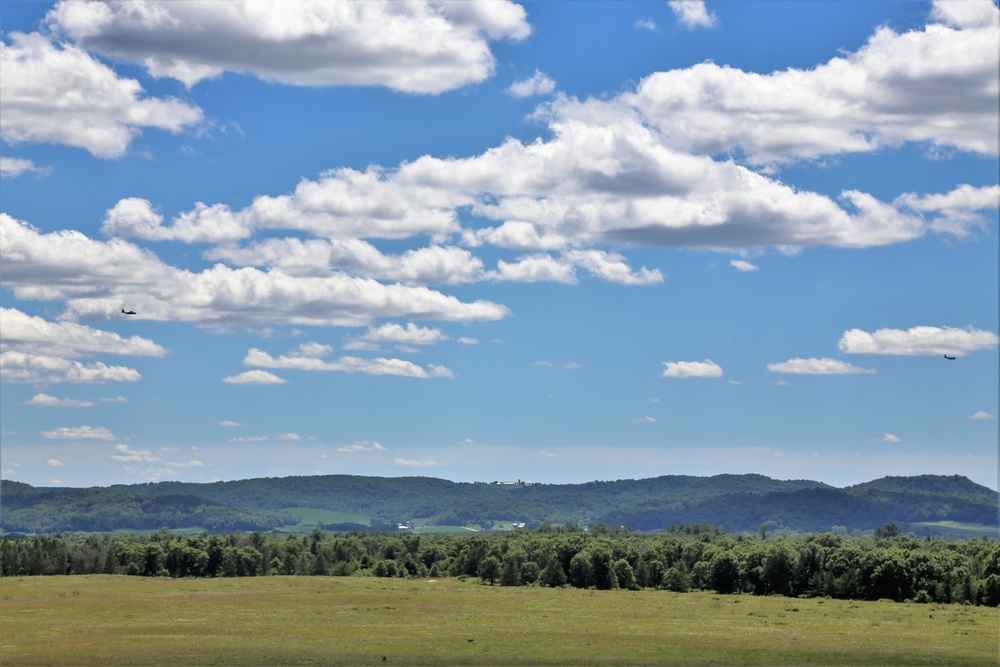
550,241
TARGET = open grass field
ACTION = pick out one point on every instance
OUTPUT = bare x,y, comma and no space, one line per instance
956,529
312,517
116,620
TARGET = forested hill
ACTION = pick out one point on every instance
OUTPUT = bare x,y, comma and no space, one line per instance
735,502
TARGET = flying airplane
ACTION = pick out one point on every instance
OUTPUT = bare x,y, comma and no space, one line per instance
128,312
949,358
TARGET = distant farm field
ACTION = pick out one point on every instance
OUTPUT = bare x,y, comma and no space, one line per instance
310,516
955,529
116,620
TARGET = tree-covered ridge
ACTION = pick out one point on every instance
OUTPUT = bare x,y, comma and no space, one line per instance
29,510
888,565
737,503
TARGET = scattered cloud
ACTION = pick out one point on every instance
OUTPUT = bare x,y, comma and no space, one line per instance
414,47
54,463
693,14
644,420
135,217
362,446
125,454
432,265
36,350
95,278
288,436
691,369
254,377
870,99
192,463
79,433
12,167
921,340
982,414
568,365
46,401
889,437
229,423
410,334
309,358
28,333
743,265
813,366
410,463
42,369
538,84
647,24
61,94
956,211
251,438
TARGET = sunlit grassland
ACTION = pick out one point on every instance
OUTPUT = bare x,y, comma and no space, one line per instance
116,620
311,517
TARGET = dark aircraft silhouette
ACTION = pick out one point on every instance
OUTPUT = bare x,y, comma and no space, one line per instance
128,312
949,358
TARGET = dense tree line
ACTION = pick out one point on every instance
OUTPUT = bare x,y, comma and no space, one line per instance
888,565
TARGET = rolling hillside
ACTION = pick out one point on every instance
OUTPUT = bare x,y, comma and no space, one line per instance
737,503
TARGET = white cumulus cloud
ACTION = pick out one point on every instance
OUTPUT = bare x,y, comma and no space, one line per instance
346,364
79,433
96,278
409,334
813,366
691,369
44,400
363,446
254,377
125,454
693,14
135,217
743,265
955,212
938,84
44,369
921,340
61,94
28,333
11,167
537,84
415,47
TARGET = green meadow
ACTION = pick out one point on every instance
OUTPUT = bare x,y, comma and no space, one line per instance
955,529
118,620
310,517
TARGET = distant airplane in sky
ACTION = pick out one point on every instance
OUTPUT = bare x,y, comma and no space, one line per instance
128,312
949,358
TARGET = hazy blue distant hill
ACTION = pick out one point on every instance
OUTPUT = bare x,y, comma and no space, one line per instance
735,502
